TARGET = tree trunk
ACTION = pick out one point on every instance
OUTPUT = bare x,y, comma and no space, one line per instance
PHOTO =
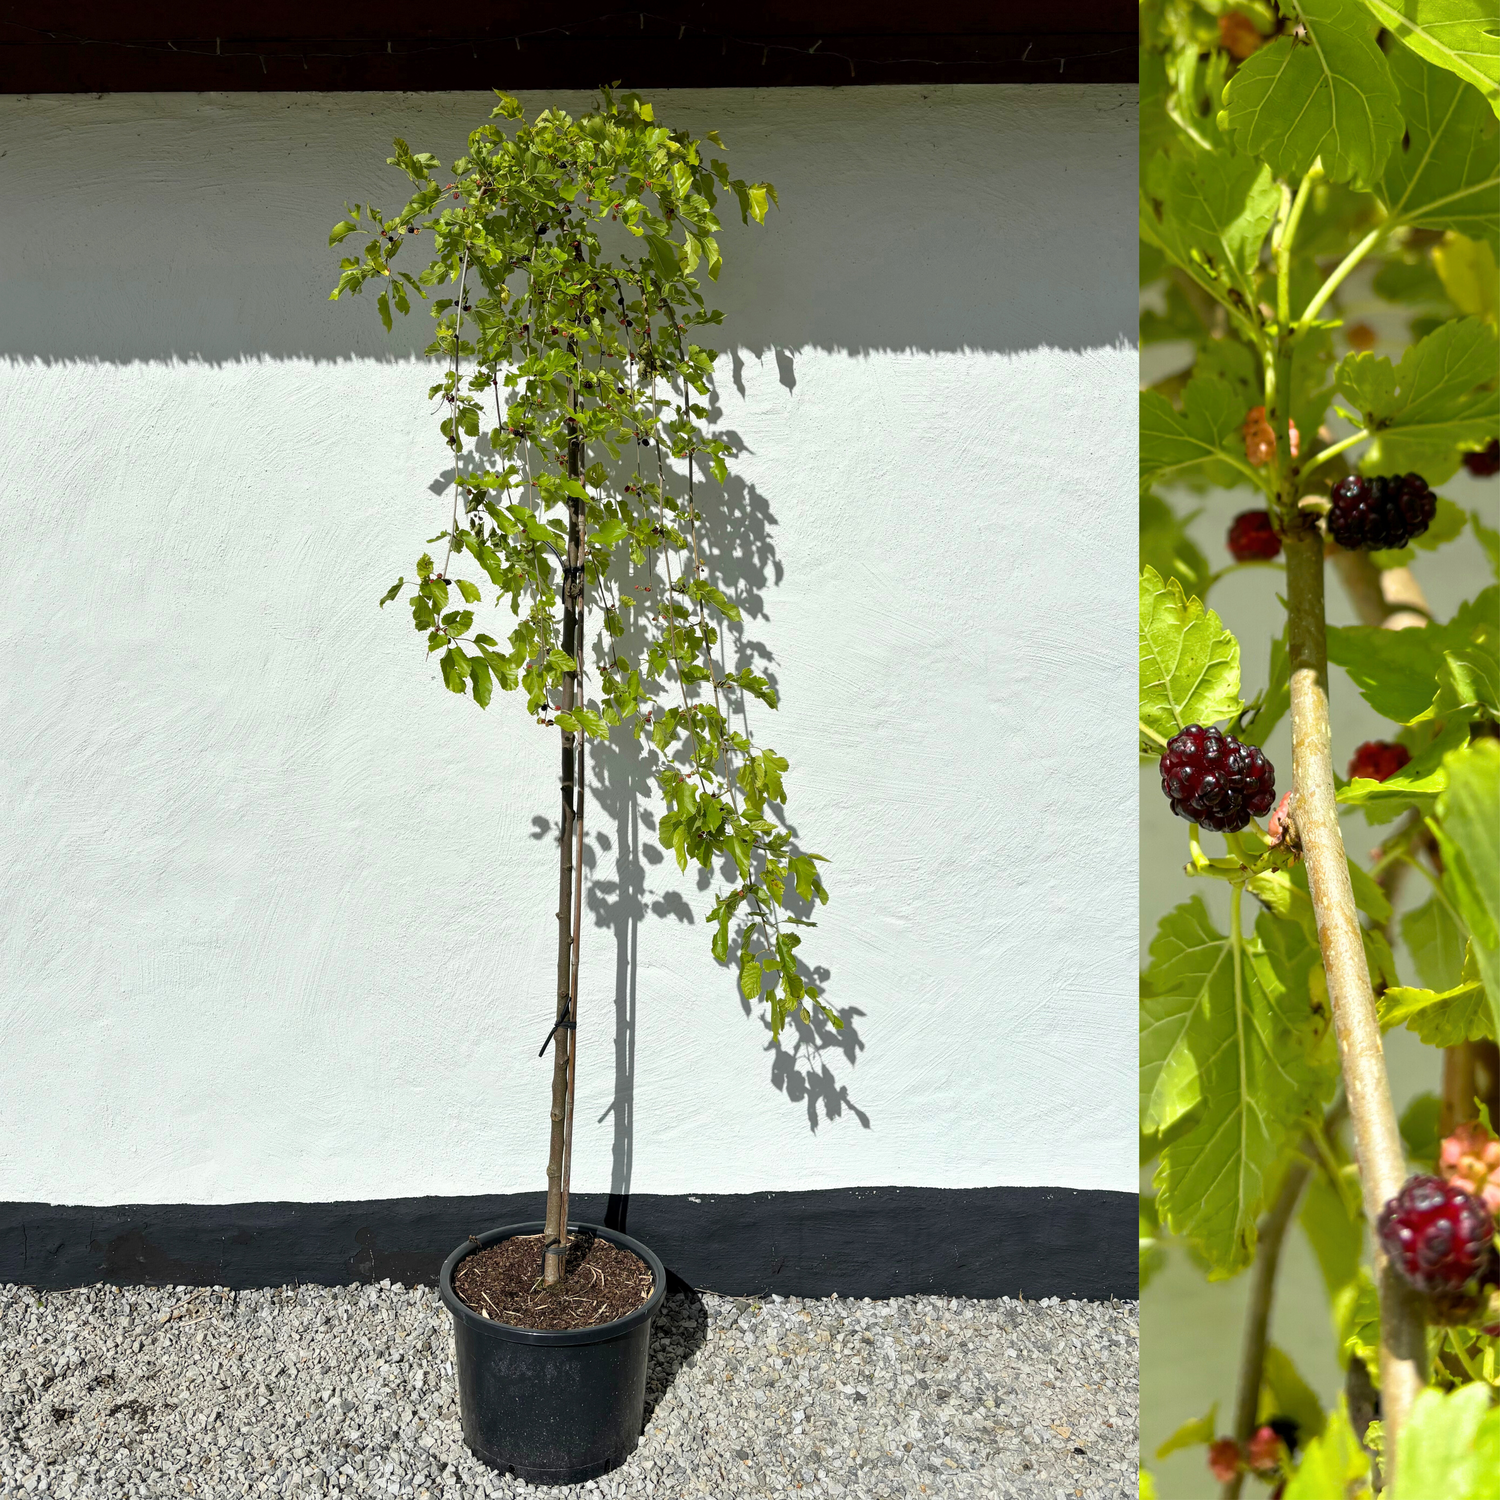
555,1236
1376,1135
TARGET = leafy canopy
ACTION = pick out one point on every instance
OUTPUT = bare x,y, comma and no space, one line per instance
572,402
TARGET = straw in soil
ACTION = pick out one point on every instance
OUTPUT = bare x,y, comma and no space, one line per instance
504,1282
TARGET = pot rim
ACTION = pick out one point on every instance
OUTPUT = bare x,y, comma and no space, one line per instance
598,1333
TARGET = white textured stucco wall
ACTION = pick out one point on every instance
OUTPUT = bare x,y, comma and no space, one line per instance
275,923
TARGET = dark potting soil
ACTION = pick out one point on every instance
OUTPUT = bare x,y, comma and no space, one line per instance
601,1282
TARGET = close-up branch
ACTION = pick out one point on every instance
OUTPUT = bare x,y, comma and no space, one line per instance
1377,1137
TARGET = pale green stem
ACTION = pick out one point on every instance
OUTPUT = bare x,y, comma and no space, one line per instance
1198,861
1151,734
1342,270
1239,567
1463,1357
1283,239
1332,451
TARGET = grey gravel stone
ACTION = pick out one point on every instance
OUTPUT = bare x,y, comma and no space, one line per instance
302,1391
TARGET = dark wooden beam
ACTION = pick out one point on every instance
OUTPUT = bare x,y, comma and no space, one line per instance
53,46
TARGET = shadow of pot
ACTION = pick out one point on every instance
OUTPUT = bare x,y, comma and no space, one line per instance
552,1406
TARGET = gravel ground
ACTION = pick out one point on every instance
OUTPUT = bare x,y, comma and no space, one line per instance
164,1391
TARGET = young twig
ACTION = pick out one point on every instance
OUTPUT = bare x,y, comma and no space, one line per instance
1273,1228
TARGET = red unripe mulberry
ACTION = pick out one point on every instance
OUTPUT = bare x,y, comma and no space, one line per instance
1252,537
1378,760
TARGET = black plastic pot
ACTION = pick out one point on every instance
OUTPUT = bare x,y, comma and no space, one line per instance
554,1407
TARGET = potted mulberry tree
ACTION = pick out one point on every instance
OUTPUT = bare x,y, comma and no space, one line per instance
575,571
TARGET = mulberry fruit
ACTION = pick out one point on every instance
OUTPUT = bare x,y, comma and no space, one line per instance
1484,463
1215,781
1470,1159
1441,1240
1225,1459
1378,760
1374,514
1260,437
1252,538
1264,1451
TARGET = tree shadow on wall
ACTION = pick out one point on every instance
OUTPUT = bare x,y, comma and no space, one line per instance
631,882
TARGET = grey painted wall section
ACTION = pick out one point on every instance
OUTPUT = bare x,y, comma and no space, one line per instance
279,909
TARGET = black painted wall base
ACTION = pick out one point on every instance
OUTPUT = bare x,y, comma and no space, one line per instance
858,1242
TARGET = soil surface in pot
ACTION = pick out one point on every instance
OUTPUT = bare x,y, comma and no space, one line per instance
602,1282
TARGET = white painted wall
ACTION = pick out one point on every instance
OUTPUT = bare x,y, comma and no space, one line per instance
275,925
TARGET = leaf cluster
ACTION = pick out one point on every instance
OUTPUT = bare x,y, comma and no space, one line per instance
574,402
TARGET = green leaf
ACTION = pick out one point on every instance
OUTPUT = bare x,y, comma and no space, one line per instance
751,974
1396,671
1428,408
1444,1448
479,671
1334,1226
1469,680
1259,1047
1413,282
1207,427
1442,1018
342,230
1210,213
1284,1393
1458,35
1437,942
608,532
1333,1466
1416,784
1356,1316
455,667
470,591
1277,699
717,598
1194,1434
1190,665
1166,546
424,567
1447,171
391,592
1325,94
1188,958
1151,1254
560,661
383,302
1489,539
663,256
1468,832
1469,274
491,562
1421,1130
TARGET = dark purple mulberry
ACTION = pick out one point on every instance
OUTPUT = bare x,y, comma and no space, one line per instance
1215,781
1485,462
1374,514
1441,1240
